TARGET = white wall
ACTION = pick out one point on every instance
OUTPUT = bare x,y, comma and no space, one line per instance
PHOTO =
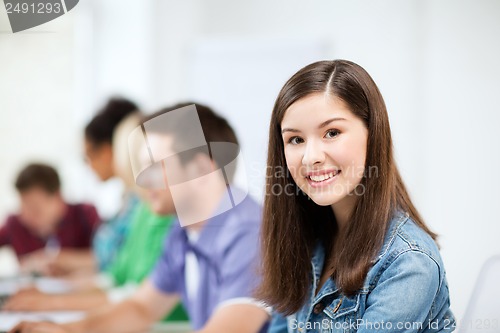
55,77
460,143
36,102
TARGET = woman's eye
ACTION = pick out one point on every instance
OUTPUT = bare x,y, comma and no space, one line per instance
332,133
295,140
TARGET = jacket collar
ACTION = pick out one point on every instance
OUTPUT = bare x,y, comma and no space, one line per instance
398,219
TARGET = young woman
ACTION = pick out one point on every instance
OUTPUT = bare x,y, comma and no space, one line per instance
344,248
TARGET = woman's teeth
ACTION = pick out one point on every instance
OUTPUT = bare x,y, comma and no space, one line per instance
324,177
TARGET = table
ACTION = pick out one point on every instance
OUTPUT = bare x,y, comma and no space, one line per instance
11,319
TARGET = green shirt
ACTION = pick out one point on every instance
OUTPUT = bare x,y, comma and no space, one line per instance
141,249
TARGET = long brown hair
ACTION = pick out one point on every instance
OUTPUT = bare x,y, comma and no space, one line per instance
293,224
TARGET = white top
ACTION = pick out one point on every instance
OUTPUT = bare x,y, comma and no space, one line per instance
192,269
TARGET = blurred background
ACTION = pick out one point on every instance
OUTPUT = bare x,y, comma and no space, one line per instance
435,62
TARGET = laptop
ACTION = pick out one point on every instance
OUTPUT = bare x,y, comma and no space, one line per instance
483,311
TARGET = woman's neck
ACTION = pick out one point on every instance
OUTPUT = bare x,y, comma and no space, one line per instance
342,211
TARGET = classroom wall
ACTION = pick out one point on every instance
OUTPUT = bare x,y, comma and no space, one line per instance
460,142
434,61
47,96
36,92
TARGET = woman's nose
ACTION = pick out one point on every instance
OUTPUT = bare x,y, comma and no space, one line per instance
313,154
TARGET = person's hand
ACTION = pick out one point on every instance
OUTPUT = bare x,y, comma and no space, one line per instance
57,268
30,300
69,262
35,262
41,327
64,263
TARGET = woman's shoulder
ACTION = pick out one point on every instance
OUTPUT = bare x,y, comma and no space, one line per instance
404,234
409,245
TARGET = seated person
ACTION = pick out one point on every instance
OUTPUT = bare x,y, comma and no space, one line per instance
106,153
210,265
46,223
133,261
133,264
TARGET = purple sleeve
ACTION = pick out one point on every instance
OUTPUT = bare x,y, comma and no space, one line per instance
239,266
168,274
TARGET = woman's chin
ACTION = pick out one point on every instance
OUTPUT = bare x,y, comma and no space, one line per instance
324,199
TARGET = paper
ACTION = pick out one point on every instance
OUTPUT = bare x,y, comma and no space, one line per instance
9,286
10,319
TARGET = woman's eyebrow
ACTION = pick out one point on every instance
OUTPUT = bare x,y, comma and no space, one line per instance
327,122
289,130
323,124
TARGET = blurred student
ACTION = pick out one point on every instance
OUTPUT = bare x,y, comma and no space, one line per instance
210,265
46,223
99,153
134,260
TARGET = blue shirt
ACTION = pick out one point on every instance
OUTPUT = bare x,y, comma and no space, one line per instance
405,291
227,252
111,235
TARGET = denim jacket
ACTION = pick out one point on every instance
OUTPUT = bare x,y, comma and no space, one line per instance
405,290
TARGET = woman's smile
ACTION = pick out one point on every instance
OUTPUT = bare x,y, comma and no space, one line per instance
322,178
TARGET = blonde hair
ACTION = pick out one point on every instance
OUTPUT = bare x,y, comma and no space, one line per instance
121,155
